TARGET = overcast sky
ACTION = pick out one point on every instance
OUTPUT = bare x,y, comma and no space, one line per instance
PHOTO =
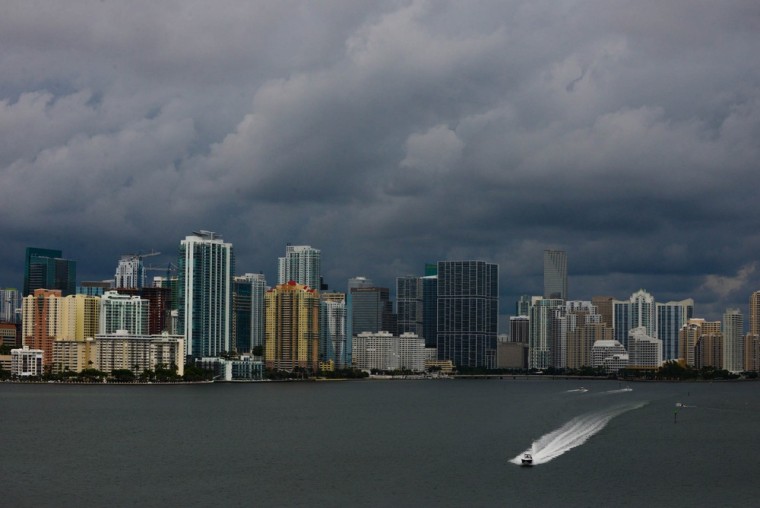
391,133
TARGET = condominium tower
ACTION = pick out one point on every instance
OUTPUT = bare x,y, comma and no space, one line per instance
206,264
301,264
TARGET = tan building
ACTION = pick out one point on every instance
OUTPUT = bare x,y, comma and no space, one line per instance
511,355
752,353
581,340
80,315
689,335
754,313
709,351
604,307
41,321
8,334
139,352
292,327
74,355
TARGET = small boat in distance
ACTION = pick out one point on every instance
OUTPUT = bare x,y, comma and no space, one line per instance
527,459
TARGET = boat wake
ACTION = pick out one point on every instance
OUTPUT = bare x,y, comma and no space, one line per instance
579,390
574,433
621,390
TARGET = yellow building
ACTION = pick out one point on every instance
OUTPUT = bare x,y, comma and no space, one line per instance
74,355
292,327
80,317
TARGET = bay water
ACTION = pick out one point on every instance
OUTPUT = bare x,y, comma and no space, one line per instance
381,443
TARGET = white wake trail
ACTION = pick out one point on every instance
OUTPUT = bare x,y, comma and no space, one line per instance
574,433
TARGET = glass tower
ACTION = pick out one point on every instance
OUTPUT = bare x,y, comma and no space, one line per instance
468,299
555,274
206,264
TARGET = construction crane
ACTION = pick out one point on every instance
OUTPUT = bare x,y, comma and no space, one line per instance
130,272
170,269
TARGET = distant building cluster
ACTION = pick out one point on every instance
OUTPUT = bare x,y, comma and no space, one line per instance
199,311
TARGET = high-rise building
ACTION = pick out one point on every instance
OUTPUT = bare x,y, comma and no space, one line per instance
430,309
468,300
568,318
519,328
409,305
126,314
371,310
555,274
603,306
301,264
46,269
332,329
689,335
733,340
41,321
540,334
10,305
79,317
353,283
639,310
292,327
671,317
644,351
522,305
754,313
206,265
709,351
248,307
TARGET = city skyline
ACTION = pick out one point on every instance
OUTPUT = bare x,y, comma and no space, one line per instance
390,134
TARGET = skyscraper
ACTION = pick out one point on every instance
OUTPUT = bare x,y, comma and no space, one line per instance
130,273
430,309
10,305
639,310
371,310
754,313
733,340
248,307
46,269
540,334
332,328
555,274
206,264
409,305
292,327
129,313
671,317
41,321
468,299
301,264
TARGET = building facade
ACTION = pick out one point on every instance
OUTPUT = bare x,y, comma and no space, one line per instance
206,266
302,264
468,300
292,327
639,310
127,313
733,340
555,274
332,329
47,269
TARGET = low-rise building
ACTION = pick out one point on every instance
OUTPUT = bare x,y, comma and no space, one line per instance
26,362
644,352
609,354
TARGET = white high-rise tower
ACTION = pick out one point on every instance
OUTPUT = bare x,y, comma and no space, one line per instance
301,264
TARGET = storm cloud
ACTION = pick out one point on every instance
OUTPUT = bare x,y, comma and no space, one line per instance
391,133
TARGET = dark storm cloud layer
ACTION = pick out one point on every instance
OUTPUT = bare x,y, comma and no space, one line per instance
392,133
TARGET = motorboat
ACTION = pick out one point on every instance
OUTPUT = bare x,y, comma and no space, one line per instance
527,459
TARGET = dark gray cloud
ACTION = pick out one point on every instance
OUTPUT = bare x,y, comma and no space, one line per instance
392,133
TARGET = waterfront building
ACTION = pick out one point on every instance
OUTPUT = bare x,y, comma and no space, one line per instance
639,310
430,308
245,317
41,321
79,317
332,330
555,274
47,269
690,334
540,331
733,340
567,318
385,351
123,312
751,352
10,305
74,355
709,351
671,317
468,300
582,339
611,355
644,352
292,327
242,368
302,264
206,265
27,362
511,355
138,353
409,305
159,308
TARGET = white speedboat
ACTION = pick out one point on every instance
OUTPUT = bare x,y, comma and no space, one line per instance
527,459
